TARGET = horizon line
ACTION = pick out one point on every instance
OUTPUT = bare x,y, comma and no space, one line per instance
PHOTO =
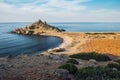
68,22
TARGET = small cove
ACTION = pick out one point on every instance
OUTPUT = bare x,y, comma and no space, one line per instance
14,44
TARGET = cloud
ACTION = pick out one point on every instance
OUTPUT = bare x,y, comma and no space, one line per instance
53,11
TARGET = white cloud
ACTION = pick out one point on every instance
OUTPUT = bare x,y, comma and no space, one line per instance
55,11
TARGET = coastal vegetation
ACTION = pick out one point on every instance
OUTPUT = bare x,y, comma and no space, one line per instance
81,66
91,55
72,61
109,72
102,33
70,67
97,73
114,65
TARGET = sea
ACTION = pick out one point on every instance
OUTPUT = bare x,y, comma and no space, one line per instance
14,44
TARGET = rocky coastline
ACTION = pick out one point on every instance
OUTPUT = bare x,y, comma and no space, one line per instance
45,66
75,42
39,27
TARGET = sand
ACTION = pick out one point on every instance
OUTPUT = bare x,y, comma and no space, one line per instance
76,42
43,66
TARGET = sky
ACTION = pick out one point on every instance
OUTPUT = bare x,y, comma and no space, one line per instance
60,10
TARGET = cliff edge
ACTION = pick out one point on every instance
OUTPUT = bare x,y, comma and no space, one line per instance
38,27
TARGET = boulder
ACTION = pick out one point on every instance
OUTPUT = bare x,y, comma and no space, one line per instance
62,73
93,61
80,63
55,57
3,60
114,69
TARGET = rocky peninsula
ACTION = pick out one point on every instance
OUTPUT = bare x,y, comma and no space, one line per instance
38,27
47,65
76,42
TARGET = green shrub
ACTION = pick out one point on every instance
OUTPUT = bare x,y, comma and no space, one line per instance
110,33
97,73
70,67
113,65
91,55
72,61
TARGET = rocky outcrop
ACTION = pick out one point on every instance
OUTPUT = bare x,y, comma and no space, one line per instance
37,28
62,73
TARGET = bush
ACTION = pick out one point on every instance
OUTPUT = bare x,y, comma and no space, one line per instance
110,33
91,55
70,67
98,73
113,65
72,61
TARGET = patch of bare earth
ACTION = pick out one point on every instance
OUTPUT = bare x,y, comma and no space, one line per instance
23,67
111,46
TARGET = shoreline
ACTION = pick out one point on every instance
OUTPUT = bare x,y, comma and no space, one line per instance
43,66
66,40
74,41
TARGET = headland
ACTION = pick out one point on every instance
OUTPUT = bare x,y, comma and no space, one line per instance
76,42
84,51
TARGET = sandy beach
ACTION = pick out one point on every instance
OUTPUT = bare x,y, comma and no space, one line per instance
76,42
45,65
70,40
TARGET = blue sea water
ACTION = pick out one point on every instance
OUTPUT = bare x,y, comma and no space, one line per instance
14,44
89,26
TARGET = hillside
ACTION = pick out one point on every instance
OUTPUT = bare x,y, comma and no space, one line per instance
38,27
